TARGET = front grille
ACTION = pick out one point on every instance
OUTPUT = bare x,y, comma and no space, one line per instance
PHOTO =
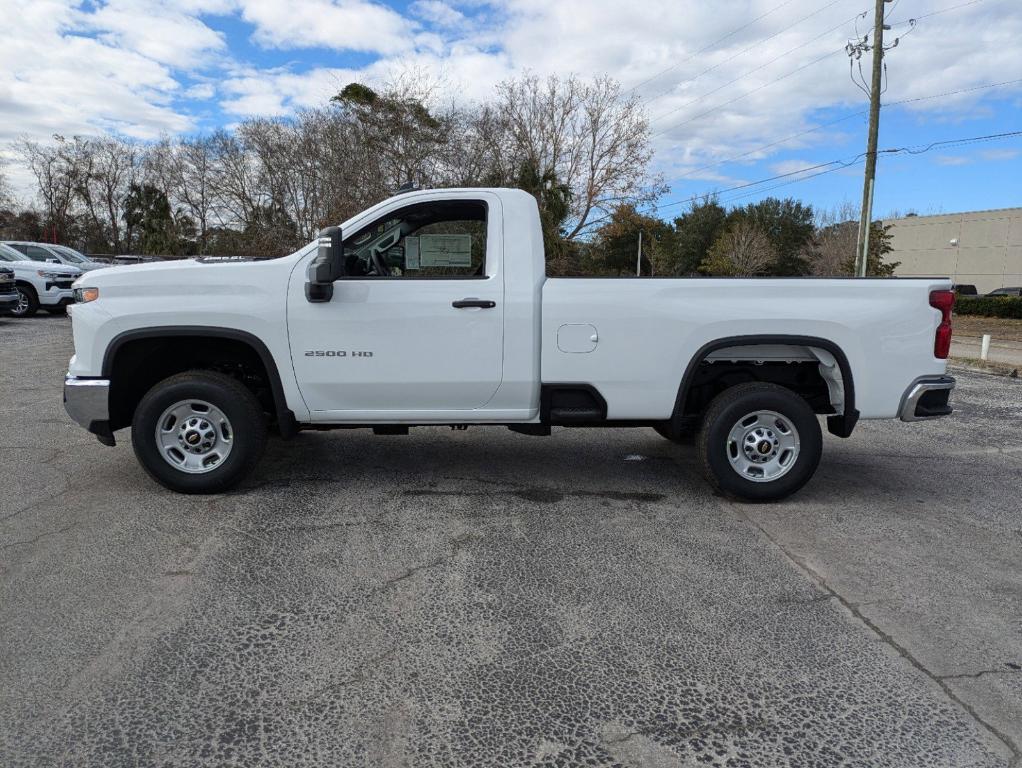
63,283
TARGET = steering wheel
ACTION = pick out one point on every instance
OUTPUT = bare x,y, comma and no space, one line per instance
380,265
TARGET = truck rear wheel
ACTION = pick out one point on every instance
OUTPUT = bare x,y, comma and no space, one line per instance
198,432
759,442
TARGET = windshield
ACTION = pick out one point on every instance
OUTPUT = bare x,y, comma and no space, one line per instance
69,253
9,254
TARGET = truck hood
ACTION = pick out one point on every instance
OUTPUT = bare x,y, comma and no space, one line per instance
60,269
160,278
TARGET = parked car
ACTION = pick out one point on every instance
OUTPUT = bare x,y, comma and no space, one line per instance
9,296
1006,292
965,289
55,253
434,308
39,284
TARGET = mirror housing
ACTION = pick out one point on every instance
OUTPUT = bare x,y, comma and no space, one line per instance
326,266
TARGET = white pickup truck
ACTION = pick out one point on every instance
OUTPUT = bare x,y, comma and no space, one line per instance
433,307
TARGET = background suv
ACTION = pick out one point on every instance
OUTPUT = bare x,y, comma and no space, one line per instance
39,283
1016,291
9,297
58,253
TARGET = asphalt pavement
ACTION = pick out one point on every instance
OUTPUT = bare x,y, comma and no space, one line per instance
483,598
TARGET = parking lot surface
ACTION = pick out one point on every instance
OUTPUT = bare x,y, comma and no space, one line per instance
485,598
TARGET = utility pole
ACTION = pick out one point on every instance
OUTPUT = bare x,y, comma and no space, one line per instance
876,83
638,257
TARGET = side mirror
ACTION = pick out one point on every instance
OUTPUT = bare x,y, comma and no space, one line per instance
327,266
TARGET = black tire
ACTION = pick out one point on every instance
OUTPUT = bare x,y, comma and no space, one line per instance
29,301
238,404
57,309
724,414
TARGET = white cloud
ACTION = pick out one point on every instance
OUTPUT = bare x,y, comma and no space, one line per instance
439,13
356,25
162,32
269,94
1000,154
120,64
54,82
201,91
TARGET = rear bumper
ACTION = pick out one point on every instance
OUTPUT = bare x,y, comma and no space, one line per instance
927,398
87,401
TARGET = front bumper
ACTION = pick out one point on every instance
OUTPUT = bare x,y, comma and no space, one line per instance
927,398
87,401
8,301
56,297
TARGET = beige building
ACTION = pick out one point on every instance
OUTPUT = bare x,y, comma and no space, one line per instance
983,248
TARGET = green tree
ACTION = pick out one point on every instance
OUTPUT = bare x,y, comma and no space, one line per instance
554,201
694,232
148,217
788,225
879,246
615,247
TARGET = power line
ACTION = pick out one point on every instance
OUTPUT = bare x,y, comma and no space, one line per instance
840,120
823,168
899,150
939,12
953,93
771,144
752,71
748,93
746,50
799,69
704,49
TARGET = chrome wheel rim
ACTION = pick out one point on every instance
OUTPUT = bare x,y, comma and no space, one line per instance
194,436
22,307
763,446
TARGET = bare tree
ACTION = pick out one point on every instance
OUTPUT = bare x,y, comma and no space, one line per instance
591,138
107,169
6,195
834,249
270,184
743,250
56,176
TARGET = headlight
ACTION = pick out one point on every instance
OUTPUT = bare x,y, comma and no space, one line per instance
51,275
85,295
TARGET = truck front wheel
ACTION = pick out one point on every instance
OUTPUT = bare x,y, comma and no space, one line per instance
28,302
759,442
198,432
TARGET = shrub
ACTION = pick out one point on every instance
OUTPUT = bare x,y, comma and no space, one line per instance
990,306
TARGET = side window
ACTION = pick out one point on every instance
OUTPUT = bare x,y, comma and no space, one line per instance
39,254
426,240
20,247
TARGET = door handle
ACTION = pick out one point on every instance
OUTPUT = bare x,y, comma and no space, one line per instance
481,303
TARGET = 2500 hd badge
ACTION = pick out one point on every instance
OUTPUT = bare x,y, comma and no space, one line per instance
335,353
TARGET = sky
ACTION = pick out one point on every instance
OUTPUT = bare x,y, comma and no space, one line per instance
737,91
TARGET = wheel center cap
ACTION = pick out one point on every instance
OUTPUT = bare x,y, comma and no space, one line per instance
192,438
764,447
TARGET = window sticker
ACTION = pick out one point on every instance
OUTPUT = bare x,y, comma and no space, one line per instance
411,252
445,250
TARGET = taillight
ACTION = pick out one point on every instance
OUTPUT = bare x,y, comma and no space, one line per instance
944,301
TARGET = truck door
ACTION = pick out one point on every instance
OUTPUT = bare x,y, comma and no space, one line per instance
416,324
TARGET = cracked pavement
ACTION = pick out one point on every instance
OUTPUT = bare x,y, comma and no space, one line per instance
486,598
